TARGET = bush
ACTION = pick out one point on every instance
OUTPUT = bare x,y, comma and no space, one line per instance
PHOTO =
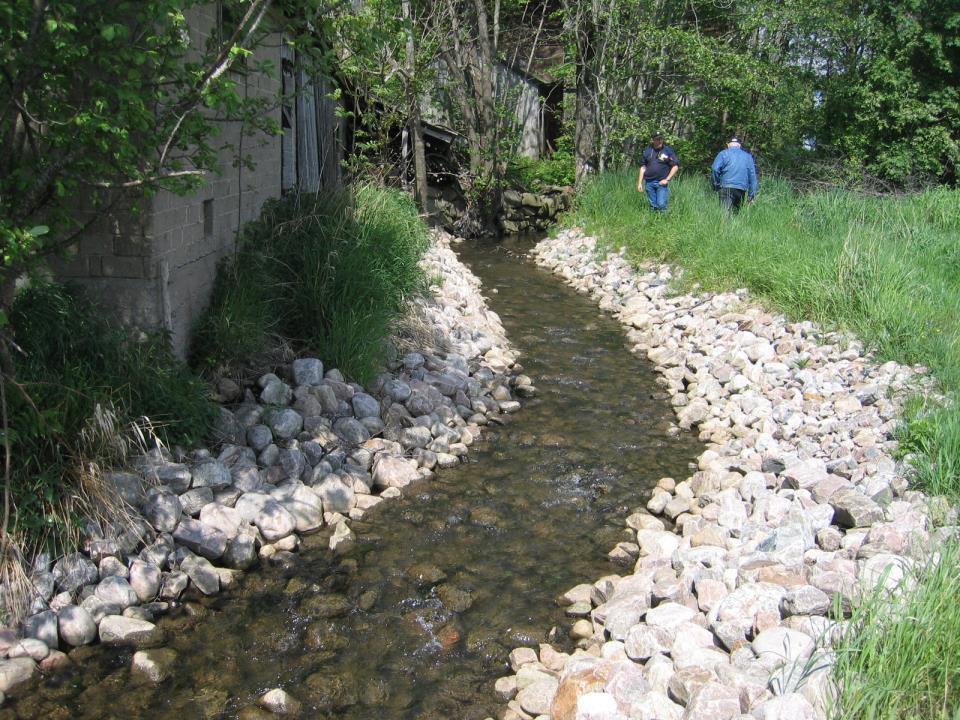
329,274
75,373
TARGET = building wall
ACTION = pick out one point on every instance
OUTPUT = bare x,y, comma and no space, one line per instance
153,261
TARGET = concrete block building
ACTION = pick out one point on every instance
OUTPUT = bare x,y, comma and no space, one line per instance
152,260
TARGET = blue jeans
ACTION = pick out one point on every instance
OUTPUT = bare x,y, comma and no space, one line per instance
658,195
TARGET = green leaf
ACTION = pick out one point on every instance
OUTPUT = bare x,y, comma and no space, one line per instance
39,230
108,32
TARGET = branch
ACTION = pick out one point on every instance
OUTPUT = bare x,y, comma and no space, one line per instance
143,181
245,29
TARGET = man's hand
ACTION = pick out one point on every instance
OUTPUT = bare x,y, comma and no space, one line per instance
640,186
664,181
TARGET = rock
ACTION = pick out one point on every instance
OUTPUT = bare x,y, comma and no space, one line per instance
855,510
394,471
578,681
669,615
505,688
32,648
76,626
116,591
15,672
271,518
522,656
173,585
655,706
805,600
778,646
342,537
280,702
285,423
211,473
241,552
162,510
73,572
194,500
791,706
153,666
128,487
351,431
174,477
42,626
307,371
335,494
713,701
144,580
119,630
203,574
537,697
365,406
222,518
201,538
684,683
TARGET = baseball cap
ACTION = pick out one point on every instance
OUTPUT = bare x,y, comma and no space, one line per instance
734,139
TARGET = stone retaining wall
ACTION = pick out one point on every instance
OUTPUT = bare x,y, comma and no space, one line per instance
529,212
719,608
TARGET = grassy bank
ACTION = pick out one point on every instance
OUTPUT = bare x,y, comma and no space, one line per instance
887,269
327,274
74,407
899,656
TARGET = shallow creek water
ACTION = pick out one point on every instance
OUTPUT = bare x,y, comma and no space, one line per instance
417,620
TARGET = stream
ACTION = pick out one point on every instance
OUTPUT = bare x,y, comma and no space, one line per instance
416,621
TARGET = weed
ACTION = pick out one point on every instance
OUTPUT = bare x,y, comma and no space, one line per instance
898,657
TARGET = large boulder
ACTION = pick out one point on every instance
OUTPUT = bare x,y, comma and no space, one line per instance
76,626
74,571
394,471
201,538
270,517
119,630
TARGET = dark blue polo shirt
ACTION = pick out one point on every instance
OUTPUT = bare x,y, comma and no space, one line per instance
657,164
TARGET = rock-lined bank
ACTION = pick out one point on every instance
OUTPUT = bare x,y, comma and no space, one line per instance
721,608
303,451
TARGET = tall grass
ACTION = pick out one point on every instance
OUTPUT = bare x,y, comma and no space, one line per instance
899,658
885,268
80,381
326,273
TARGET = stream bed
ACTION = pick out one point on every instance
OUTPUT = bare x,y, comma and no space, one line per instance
417,620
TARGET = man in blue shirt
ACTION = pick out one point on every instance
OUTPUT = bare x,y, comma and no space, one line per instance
734,176
660,164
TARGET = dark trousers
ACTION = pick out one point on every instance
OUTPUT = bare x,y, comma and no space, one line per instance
731,198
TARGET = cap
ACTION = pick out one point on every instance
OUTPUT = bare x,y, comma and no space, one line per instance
656,134
734,139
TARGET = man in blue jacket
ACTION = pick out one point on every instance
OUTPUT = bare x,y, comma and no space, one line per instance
734,176
660,164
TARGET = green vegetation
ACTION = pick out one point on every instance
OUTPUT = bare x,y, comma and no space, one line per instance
533,175
883,268
81,381
898,657
329,274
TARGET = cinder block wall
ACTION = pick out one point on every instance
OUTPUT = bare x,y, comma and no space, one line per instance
154,267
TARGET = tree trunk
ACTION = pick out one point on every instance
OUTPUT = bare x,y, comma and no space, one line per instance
416,126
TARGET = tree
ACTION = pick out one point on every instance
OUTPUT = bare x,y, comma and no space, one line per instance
98,98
